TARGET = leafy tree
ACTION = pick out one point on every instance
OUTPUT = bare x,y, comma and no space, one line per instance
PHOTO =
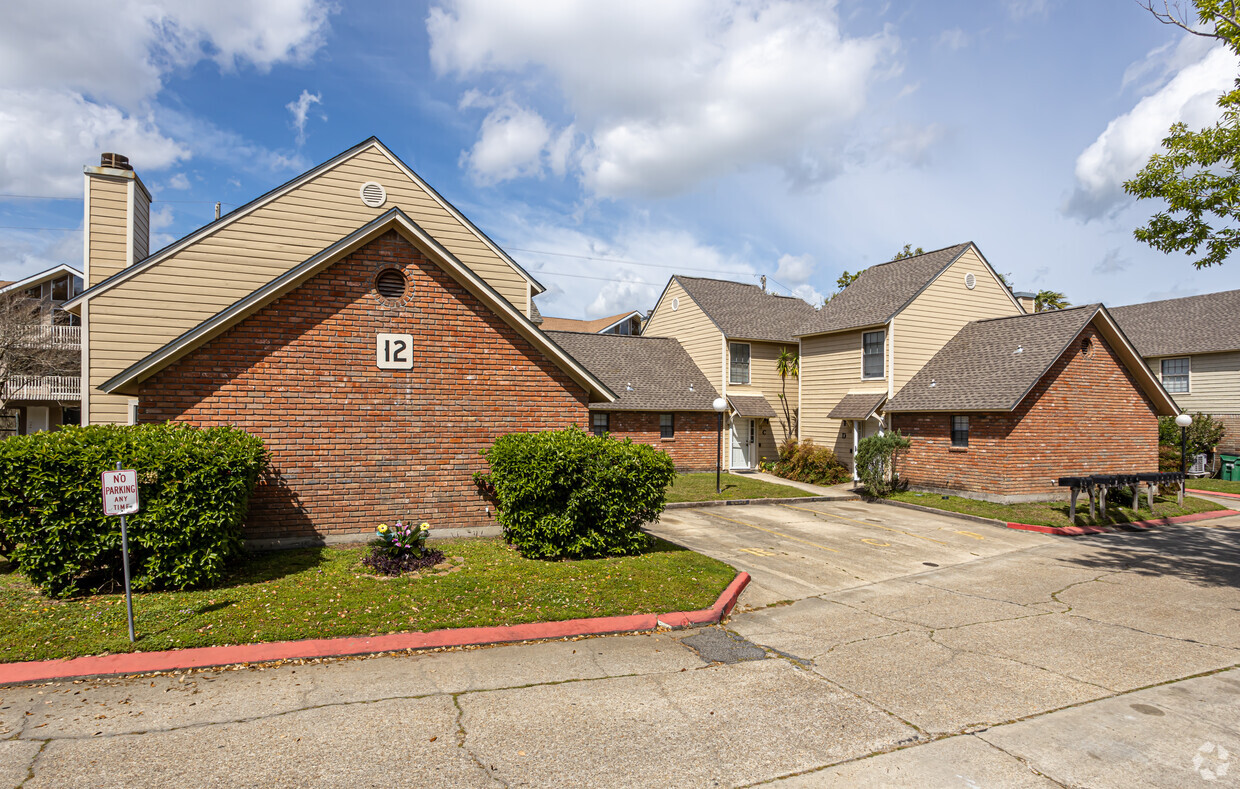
908,252
876,462
844,281
1197,174
788,364
1049,300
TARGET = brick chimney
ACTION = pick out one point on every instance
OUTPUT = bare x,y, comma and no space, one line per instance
118,218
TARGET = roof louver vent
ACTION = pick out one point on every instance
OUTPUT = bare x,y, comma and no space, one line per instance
373,194
390,284
970,281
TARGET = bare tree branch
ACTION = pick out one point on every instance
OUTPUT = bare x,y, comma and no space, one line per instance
1177,14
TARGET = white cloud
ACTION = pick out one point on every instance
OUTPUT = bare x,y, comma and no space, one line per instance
795,269
79,76
48,135
953,39
179,181
299,108
808,293
1111,263
510,144
1024,9
1128,141
666,95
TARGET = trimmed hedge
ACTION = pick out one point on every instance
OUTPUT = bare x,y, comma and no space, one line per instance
567,494
194,485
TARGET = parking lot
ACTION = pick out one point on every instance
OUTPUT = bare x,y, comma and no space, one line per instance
794,551
876,647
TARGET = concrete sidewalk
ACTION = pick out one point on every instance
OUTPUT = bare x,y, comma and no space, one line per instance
1104,661
844,491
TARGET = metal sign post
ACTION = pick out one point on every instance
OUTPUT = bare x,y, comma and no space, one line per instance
120,497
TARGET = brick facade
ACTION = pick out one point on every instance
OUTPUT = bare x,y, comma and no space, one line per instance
693,448
1085,416
352,445
1231,439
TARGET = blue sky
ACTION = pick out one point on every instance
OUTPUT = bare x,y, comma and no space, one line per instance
609,145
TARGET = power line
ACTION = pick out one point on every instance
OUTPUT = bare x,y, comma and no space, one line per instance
153,200
23,227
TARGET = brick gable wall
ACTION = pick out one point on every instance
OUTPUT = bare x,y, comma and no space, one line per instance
1085,416
353,445
692,449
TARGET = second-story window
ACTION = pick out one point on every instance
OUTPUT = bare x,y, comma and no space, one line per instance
872,354
740,363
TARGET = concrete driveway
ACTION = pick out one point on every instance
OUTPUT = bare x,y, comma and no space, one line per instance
879,648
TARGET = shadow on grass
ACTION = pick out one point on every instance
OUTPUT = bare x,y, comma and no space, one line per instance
660,545
1209,556
260,567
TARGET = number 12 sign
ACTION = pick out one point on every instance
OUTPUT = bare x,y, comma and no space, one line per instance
394,351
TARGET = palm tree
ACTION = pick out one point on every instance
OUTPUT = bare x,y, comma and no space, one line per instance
788,364
1049,300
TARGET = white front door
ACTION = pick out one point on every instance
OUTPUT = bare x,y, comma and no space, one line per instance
742,442
37,418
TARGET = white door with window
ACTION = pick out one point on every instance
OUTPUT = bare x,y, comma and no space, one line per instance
743,440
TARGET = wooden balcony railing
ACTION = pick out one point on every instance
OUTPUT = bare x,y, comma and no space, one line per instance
52,336
50,387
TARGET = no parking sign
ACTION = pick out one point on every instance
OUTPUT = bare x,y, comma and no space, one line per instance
120,497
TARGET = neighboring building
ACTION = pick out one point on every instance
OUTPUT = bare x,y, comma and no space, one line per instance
1193,346
371,335
735,333
1009,405
865,344
662,398
40,346
626,323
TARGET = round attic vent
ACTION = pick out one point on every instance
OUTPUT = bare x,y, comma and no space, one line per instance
390,283
970,281
373,194
675,304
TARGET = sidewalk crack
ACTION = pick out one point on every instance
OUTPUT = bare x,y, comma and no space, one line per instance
489,772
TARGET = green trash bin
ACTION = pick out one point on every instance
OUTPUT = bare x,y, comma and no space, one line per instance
1229,471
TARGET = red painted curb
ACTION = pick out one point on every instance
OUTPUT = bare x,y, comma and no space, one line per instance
1076,531
205,657
1213,493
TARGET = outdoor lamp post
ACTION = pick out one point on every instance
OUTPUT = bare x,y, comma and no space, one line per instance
720,405
1184,420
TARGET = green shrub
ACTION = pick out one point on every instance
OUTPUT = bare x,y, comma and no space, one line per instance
876,462
194,485
1203,434
566,494
803,461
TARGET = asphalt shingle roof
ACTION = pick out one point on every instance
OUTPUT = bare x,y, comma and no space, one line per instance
646,373
1198,324
980,369
857,406
880,291
755,406
746,311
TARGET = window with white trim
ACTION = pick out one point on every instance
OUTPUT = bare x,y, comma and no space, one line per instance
739,367
600,423
1175,375
872,354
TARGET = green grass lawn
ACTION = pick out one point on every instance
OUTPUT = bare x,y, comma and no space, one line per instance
1219,485
1055,513
326,592
701,487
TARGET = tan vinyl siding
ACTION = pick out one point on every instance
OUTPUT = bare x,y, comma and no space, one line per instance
941,310
830,369
154,306
1213,382
700,338
764,380
108,206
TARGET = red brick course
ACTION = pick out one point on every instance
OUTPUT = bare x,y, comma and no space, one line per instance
693,448
353,445
1085,416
